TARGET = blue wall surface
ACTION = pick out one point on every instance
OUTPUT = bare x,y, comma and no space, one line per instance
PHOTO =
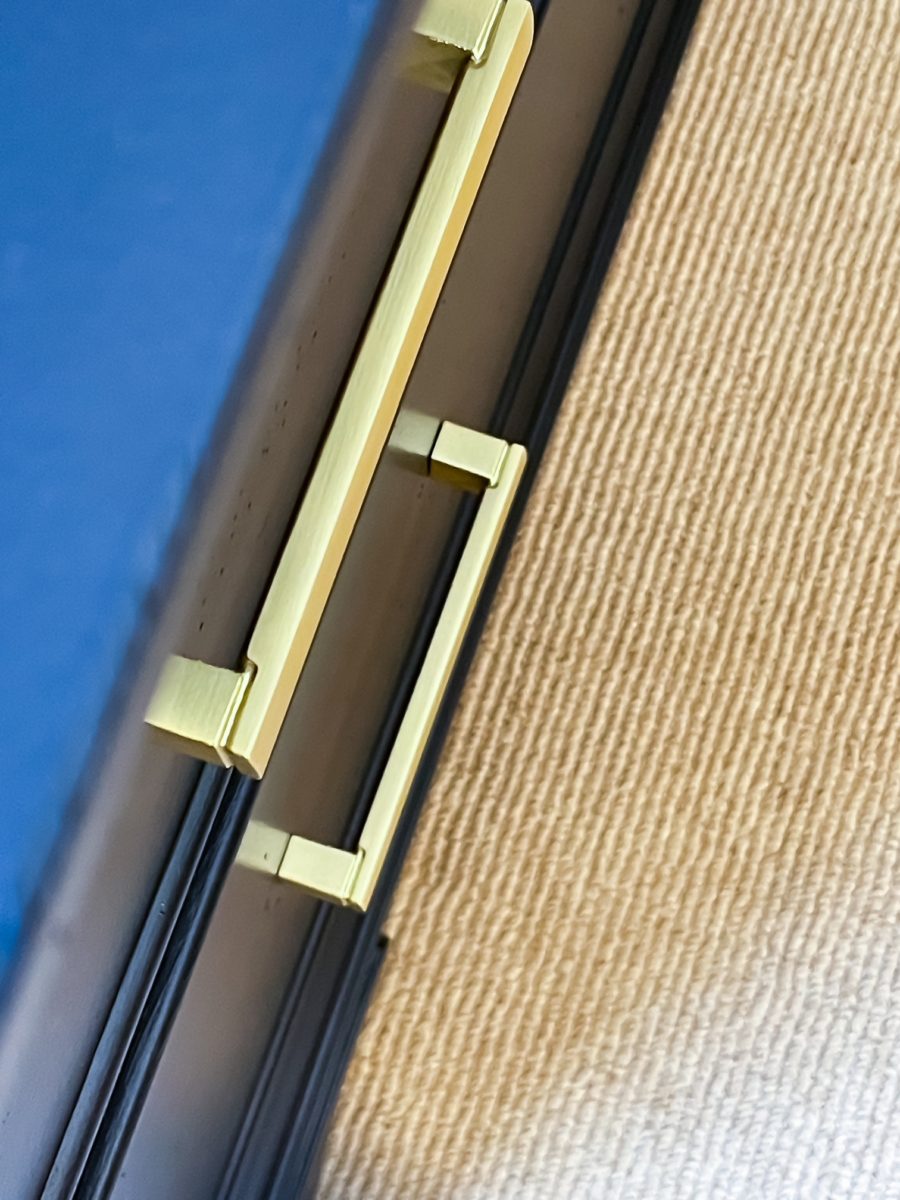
154,157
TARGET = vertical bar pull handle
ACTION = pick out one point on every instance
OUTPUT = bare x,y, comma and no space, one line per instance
477,462
234,716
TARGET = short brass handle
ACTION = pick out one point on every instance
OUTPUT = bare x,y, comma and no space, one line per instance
234,716
348,877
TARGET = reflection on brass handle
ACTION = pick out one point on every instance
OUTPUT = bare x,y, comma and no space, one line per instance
234,717
470,460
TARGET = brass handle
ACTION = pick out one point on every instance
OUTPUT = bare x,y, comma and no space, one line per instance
234,717
474,461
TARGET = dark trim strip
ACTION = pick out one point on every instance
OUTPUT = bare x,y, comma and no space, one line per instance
158,971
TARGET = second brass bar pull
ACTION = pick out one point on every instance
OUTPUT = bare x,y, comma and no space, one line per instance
477,462
234,716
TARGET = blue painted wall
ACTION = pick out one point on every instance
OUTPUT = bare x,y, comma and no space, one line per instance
154,156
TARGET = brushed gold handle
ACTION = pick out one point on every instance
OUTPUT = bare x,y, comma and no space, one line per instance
234,716
466,459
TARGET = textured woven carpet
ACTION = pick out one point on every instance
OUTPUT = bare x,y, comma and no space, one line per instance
647,944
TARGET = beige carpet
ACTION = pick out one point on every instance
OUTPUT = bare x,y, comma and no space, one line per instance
647,943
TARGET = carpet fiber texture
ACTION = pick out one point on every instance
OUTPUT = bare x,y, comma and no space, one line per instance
647,944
